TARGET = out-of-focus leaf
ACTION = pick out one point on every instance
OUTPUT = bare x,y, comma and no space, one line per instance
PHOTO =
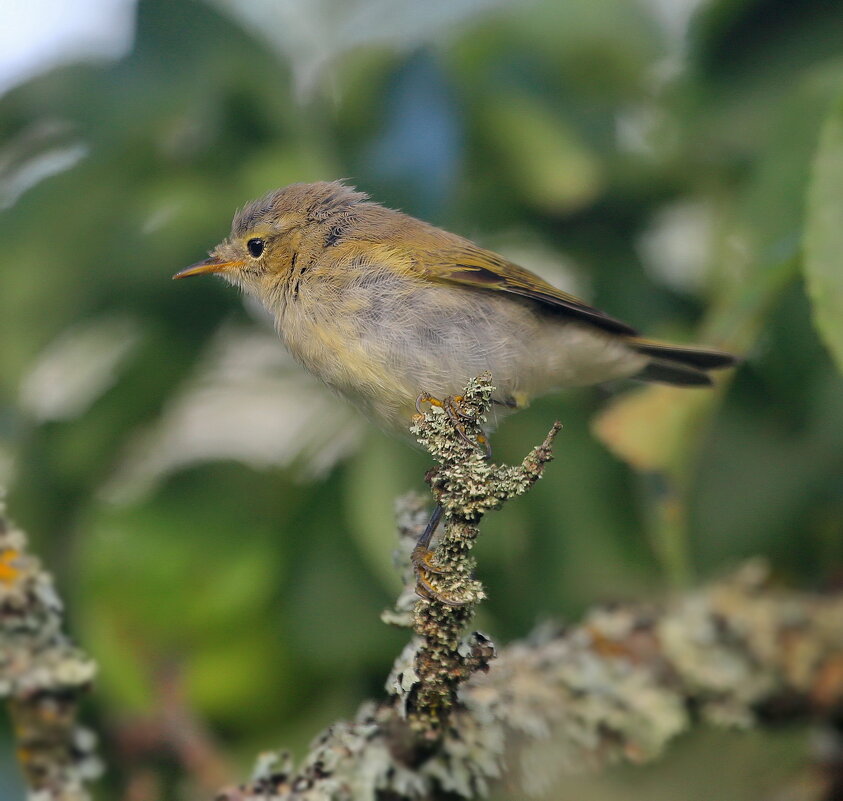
823,263
649,427
542,155
245,402
78,367
44,149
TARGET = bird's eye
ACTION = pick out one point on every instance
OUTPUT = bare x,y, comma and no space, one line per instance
255,247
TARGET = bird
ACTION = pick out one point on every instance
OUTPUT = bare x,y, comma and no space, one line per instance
385,308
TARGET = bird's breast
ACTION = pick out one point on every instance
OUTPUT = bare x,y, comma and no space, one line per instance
381,338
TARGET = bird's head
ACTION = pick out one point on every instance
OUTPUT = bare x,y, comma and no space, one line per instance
268,234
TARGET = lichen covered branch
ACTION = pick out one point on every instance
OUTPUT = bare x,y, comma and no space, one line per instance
459,717
42,676
618,687
466,484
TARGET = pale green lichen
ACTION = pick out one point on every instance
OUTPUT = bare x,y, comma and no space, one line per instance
467,484
618,687
411,515
42,676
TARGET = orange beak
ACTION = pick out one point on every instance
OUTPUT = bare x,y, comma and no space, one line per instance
210,265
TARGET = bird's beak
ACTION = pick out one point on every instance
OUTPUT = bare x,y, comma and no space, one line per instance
210,265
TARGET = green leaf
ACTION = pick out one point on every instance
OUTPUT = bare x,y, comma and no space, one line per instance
824,235
547,162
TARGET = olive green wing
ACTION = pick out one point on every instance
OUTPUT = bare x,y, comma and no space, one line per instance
471,266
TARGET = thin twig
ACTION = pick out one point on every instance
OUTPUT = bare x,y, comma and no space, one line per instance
467,485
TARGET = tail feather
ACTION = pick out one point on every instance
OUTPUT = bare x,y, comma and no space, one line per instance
679,375
679,365
693,357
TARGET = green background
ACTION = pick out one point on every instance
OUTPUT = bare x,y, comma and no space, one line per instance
221,527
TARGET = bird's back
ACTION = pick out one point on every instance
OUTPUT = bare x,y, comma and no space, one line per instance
373,327
382,307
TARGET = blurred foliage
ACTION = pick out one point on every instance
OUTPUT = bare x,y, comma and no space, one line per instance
824,234
654,160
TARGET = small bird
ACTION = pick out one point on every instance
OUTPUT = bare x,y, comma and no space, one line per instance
384,308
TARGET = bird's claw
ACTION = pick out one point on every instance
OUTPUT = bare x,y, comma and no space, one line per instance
426,397
483,440
451,406
424,568
422,560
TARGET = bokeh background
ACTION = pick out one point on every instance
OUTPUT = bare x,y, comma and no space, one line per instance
220,526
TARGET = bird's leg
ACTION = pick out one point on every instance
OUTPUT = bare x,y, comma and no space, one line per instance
456,414
422,553
424,589
451,404
483,439
426,397
423,566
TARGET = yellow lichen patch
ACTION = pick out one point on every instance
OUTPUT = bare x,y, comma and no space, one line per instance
9,571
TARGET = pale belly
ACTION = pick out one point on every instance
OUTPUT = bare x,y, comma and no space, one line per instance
382,346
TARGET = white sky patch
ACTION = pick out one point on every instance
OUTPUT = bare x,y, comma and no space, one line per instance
78,368
314,34
37,35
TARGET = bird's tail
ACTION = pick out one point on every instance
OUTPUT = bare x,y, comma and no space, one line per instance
679,365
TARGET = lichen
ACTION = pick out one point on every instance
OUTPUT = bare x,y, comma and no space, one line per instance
42,676
459,716
467,484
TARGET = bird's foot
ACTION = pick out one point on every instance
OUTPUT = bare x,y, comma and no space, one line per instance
424,568
457,415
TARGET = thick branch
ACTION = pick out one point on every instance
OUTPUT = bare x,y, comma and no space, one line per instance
618,687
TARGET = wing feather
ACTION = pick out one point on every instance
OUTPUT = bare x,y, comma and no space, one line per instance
470,266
